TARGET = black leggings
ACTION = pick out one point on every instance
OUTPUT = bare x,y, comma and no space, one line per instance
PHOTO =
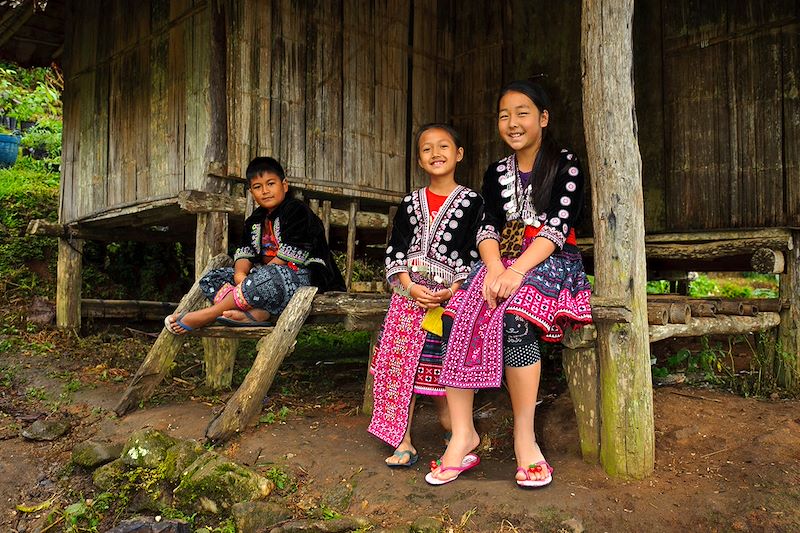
520,340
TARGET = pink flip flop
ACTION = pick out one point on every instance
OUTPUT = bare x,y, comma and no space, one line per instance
535,469
470,460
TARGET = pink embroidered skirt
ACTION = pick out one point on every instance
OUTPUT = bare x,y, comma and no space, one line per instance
554,295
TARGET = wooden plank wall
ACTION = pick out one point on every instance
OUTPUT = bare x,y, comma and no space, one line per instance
730,113
326,89
137,104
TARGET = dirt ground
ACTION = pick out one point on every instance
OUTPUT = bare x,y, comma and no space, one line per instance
723,463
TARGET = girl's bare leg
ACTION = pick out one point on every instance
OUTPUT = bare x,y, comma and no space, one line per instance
443,413
261,315
465,438
405,444
523,385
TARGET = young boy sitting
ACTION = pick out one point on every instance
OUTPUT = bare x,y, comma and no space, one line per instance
283,248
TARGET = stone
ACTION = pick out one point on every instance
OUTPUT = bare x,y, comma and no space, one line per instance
147,448
150,525
41,311
212,483
46,430
338,525
179,457
91,454
574,525
338,498
252,517
426,524
105,477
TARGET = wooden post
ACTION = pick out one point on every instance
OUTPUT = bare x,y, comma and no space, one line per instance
369,396
68,287
245,404
582,370
351,243
326,219
211,238
789,329
627,440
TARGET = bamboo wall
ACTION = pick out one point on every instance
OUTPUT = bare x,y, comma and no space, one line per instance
159,92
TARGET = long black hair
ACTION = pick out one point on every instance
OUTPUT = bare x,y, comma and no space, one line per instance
546,165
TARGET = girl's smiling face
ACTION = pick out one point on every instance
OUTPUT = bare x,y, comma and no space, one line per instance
268,190
520,122
438,153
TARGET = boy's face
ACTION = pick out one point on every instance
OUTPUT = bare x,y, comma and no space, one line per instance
268,190
438,154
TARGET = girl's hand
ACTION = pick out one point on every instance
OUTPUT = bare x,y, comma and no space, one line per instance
505,285
493,271
423,296
443,295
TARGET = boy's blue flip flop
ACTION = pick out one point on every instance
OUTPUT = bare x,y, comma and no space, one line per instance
178,322
251,323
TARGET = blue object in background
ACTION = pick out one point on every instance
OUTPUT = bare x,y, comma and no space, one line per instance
9,147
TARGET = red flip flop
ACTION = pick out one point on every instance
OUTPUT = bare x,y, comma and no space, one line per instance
470,460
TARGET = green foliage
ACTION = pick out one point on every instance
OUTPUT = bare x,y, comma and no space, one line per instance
660,286
282,480
271,417
750,285
364,269
702,286
29,94
331,341
35,393
7,375
87,514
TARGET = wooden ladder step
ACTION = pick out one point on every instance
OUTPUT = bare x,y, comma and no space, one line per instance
227,332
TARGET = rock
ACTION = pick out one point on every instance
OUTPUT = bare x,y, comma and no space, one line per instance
92,454
179,457
339,525
426,524
684,434
338,498
220,483
147,447
41,311
252,517
395,529
105,477
574,525
149,525
46,430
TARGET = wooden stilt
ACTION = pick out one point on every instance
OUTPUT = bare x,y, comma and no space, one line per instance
326,219
68,288
582,370
162,353
245,404
627,438
351,243
219,355
369,397
788,363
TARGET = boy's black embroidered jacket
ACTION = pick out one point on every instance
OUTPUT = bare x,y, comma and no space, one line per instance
301,240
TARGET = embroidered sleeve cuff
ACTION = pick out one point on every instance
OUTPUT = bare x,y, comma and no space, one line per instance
554,235
393,269
461,275
487,232
290,254
245,252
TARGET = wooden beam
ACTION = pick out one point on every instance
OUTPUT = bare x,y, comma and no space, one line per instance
245,404
768,261
207,202
162,353
351,243
46,228
14,18
627,438
781,234
704,251
581,367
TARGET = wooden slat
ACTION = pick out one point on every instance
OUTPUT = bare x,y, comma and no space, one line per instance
358,120
324,92
791,125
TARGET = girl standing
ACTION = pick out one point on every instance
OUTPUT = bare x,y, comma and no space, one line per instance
530,283
431,251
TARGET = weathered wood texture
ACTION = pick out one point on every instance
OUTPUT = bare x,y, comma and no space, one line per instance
731,113
68,288
218,354
155,366
583,377
627,436
789,332
244,405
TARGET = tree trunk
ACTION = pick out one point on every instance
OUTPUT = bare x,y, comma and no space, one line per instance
626,392
788,362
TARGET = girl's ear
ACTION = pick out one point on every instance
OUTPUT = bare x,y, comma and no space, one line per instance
460,154
544,119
